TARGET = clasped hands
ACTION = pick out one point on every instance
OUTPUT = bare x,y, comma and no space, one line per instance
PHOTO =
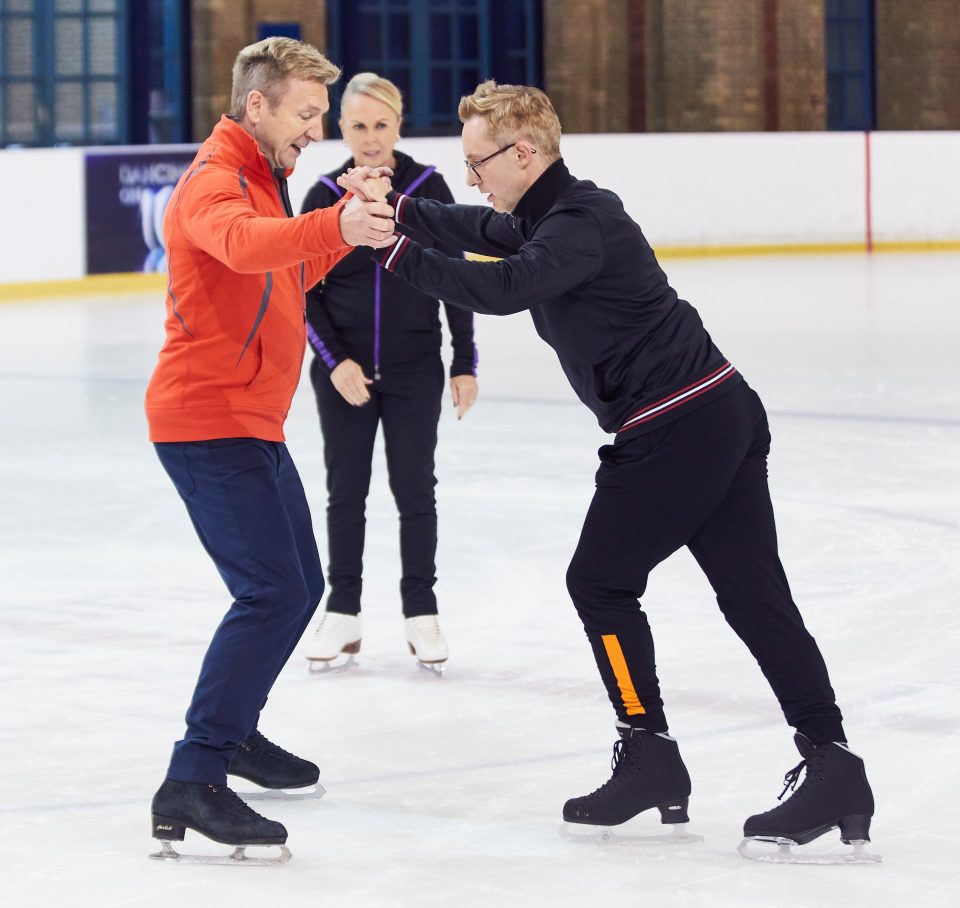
367,220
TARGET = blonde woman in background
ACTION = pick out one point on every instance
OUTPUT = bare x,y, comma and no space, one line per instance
376,344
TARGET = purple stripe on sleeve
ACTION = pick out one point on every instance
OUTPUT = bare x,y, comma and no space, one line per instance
320,347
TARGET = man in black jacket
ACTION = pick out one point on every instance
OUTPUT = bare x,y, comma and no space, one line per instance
687,466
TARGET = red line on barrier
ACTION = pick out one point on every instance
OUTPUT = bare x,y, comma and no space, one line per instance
868,193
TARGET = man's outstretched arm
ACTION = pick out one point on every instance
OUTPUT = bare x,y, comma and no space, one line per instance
566,251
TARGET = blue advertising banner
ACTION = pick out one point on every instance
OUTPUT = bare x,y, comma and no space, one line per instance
127,193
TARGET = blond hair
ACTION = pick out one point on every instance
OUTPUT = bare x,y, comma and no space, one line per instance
515,112
266,65
376,87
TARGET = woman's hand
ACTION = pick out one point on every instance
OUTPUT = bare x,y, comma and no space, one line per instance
349,380
463,390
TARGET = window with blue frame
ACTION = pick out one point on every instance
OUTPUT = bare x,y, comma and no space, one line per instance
436,50
62,72
159,68
850,64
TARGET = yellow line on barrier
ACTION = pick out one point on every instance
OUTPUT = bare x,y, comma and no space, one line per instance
93,285
927,246
698,252
692,252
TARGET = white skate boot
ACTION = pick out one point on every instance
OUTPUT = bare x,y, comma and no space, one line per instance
336,634
426,642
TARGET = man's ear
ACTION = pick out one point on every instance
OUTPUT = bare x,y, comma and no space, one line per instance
255,105
525,153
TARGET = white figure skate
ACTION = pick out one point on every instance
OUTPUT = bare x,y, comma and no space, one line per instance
425,640
336,635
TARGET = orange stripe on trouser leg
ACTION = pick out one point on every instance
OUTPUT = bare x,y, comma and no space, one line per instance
629,696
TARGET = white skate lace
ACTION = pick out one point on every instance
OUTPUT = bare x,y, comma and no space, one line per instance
430,629
327,623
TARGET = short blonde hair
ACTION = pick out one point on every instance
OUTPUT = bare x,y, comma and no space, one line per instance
376,87
513,112
266,65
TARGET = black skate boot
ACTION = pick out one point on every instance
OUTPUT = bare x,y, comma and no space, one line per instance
647,772
834,793
217,813
260,761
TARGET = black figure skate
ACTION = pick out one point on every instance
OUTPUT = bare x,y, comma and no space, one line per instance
217,813
834,793
647,773
278,773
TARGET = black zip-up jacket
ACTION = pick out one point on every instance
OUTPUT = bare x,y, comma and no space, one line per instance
636,354
359,312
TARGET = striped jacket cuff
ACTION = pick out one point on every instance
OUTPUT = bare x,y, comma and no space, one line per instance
390,257
399,203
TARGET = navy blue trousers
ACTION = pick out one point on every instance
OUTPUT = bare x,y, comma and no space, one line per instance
405,401
247,504
699,482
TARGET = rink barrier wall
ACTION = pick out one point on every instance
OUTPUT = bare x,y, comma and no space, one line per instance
716,194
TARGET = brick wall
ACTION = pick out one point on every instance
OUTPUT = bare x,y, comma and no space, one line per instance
586,63
221,28
801,58
666,65
918,64
685,65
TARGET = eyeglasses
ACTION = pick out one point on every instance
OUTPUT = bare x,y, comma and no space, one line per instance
476,164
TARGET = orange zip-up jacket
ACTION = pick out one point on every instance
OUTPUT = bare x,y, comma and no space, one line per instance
238,268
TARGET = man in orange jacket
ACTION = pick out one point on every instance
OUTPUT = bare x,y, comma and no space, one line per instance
239,263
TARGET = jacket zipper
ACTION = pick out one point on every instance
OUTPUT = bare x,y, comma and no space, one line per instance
281,184
376,322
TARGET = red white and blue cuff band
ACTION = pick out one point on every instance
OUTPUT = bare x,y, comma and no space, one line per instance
678,398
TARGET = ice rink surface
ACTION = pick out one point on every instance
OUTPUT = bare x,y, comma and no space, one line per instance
448,792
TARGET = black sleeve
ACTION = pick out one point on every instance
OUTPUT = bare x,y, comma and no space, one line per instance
320,332
565,251
473,228
438,190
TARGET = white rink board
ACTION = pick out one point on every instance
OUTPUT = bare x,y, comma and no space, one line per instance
42,216
685,190
916,186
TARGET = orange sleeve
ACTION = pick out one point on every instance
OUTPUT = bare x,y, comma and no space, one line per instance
316,269
216,216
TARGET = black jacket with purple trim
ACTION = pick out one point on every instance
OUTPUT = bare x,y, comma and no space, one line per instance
374,318
636,354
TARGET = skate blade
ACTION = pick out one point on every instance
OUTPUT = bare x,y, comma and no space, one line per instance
433,668
583,833
309,793
238,856
785,853
319,667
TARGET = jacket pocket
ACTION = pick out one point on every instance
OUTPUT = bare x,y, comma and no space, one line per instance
259,351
